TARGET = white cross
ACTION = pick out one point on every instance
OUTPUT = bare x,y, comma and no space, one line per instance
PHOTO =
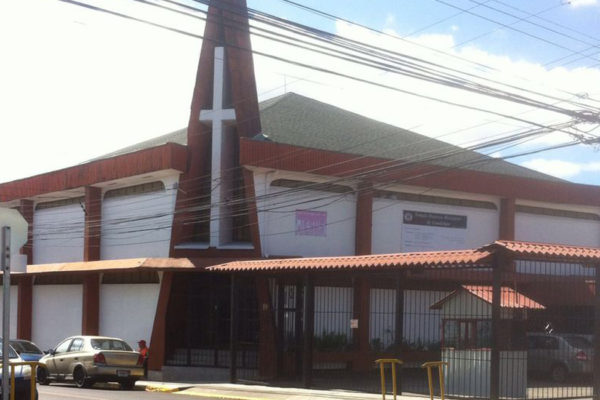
217,118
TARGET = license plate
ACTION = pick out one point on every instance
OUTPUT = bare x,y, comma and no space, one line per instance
122,373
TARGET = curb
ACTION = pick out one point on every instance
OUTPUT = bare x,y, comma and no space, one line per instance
161,388
195,392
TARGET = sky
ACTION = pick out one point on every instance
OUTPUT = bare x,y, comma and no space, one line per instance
77,83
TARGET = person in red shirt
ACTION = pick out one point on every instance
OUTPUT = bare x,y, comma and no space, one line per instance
145,352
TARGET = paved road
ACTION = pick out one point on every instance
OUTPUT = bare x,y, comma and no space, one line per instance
70,392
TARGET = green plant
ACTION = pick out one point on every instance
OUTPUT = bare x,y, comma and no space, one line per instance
331,341
376,344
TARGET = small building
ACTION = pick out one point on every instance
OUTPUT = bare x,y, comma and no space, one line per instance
467,340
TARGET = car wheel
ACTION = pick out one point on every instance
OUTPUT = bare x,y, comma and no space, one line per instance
559,373
80,378
128,385
42,376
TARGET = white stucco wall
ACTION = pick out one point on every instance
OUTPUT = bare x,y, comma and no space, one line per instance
138,225
421,325
14,298
468,373
277,221
482,225
57,311
552,229
58,234
127,311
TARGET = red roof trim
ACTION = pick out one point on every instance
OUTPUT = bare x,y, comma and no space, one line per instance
167,156
548,251
303,159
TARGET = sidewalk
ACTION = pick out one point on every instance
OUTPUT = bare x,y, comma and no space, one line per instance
231,391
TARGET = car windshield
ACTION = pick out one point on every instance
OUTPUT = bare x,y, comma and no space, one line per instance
11,352
109,344
25,347
579,342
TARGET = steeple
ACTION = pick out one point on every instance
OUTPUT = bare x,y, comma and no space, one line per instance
211,209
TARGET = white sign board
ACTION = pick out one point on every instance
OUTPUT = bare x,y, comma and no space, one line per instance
18,237
425,231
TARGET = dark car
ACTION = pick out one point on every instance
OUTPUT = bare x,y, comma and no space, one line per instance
22,376
27,350
89,359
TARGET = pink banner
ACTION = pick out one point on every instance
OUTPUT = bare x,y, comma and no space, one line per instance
311,223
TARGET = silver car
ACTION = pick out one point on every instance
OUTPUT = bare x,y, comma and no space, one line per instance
559,355
90,359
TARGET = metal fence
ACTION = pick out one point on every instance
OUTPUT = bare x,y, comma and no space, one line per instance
521,329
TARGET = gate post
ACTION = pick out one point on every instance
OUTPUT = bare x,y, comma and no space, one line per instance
596,360
496,303
309,323
280,328
233,324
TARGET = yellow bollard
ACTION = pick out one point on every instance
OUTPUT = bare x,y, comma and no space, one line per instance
392,362
440,366
33,365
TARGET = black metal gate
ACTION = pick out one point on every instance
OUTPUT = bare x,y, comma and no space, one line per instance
199,323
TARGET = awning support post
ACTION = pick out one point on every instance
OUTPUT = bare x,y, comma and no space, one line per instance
233,324
596,365
495,352
309,323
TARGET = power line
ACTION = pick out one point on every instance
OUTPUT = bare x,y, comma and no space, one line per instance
514,29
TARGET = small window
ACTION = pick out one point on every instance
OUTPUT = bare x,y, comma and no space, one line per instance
143,188
63,347
109,344
77,345
549,343
466,334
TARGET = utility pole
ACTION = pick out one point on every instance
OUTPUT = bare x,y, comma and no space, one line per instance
5,240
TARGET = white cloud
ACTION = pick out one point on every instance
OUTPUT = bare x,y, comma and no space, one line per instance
582,3
90,83
560,168
390,21
436,119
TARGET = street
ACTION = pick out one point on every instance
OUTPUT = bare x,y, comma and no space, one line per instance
66,391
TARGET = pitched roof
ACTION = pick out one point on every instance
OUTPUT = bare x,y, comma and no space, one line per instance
549,251
301,121
482,257
440,259
509,298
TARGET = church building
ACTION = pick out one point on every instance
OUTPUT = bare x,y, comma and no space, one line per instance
123,245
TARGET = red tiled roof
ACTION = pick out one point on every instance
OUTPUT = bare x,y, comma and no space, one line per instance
549,251
440,259
509,298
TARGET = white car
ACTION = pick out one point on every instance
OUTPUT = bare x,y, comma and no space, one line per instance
89,359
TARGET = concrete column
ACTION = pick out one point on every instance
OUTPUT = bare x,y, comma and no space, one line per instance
90,319
93,220
507,219
364,219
